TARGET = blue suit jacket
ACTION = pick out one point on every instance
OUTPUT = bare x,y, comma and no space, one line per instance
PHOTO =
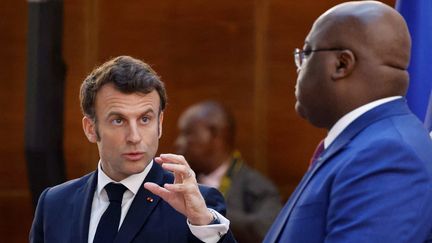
63,213
372,184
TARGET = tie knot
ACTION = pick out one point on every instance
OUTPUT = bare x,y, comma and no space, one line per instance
115,192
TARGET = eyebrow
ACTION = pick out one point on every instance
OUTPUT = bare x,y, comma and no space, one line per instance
115,113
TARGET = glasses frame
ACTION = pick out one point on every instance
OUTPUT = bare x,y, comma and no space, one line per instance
300,55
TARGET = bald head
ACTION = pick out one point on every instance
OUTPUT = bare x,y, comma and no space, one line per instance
369,27
217,117
207,134
370,54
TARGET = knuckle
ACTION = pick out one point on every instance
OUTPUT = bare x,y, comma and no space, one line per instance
192,173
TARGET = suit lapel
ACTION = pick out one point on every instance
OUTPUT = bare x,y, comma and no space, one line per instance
286,211
276,229
141,208
396,107
82,207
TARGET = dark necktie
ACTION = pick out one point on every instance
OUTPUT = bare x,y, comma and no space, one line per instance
318,150
109,223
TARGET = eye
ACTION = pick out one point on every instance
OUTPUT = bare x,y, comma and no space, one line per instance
306,53
117,121
145,119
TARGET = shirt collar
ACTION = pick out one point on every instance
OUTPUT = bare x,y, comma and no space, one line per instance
348,118
132,183
215,177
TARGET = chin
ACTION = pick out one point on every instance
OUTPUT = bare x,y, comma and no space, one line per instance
137,167
300,111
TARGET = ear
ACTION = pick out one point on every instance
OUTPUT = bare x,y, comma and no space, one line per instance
345,64
89,128
160,124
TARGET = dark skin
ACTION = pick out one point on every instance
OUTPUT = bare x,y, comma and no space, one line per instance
372,65
202,137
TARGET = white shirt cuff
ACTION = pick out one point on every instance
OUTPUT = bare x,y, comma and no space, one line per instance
213,232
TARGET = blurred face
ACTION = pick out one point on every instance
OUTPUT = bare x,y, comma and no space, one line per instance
313,88
127,131
194,142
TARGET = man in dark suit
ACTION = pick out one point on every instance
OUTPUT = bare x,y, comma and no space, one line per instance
131,197
207,140
373,180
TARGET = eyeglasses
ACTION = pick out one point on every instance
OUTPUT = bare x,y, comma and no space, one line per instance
300,56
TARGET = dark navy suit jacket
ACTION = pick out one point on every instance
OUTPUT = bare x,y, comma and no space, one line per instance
372,184
63,213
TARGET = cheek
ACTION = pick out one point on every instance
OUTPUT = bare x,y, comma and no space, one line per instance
301,89
151,137
108,146
109,138
308,82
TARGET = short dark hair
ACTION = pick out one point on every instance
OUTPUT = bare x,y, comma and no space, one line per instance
129,75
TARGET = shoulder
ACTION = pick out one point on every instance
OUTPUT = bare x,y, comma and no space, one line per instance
253,180
68,188
377,174
400,138
393,149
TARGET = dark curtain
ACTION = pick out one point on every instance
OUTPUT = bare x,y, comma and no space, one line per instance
45,92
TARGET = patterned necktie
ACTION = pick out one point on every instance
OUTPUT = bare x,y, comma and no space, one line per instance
318,150
109,223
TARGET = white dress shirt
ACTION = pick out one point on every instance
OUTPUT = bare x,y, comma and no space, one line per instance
101,201
206,233
348,118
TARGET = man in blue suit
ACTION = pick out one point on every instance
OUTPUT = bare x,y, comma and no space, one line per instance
131,197
373,180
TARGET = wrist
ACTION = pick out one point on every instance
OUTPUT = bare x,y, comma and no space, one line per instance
215,218
206,219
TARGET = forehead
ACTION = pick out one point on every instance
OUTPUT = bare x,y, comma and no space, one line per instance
320,33
109,99
190,122
191,116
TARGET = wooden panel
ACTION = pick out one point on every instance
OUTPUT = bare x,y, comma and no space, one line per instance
15,203
80,52
237,52
16,215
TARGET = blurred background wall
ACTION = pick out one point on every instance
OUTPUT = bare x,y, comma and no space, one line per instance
237,52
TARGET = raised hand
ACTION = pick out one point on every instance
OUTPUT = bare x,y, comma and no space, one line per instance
184,195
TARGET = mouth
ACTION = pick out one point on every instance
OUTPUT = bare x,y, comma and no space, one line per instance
133,156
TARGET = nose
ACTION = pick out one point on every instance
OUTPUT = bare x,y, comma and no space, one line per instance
134,135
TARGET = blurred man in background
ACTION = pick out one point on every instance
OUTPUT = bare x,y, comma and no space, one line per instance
206,139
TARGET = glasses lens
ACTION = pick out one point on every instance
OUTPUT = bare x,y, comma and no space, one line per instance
297,57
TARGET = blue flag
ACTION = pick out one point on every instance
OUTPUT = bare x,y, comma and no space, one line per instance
418,15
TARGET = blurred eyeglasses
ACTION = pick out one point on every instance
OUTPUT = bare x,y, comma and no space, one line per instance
300,56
